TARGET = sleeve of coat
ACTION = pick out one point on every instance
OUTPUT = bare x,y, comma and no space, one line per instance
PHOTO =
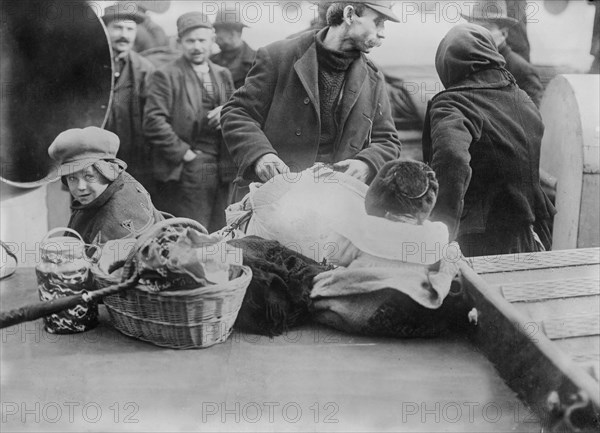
452,133
157,122
385,144
532,85
244,115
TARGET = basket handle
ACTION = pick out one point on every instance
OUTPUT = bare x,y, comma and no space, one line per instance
61,229
158,227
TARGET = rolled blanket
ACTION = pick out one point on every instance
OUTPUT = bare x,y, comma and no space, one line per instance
381,297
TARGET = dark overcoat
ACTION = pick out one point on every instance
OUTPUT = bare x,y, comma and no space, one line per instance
482,137
525,74
239,66
174,114
277,111
125,118
123,210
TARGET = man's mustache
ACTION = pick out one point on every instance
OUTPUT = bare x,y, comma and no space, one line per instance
123,40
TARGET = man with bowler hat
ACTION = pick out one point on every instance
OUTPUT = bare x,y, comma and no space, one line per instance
493,15
182,126
131,72
236,55
315,98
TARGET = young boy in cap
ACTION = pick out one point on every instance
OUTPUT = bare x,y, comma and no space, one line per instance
108,203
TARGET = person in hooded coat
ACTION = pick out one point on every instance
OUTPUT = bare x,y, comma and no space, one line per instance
482,136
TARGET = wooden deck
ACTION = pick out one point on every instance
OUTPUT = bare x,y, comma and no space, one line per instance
311,379
538,320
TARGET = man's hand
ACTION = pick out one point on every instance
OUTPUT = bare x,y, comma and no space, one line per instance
269,165
214,118
189,156
355,168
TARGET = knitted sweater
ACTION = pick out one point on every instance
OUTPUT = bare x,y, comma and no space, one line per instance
332,73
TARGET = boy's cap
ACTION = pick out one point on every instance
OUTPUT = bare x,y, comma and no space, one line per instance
75,149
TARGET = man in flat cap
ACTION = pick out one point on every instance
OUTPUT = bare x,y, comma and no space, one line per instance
493,15
316,98
236,55
131,72
182,126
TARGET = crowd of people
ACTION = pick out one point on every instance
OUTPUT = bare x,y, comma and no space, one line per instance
198,129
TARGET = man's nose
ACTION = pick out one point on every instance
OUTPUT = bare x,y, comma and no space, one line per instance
81,184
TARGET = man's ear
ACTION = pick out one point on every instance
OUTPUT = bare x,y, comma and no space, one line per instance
349,14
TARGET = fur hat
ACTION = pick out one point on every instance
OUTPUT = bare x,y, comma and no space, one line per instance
403,187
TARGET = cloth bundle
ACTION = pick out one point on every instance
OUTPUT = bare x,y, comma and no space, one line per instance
392,278
176,259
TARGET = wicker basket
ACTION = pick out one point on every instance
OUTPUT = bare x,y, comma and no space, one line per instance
190,319
183,319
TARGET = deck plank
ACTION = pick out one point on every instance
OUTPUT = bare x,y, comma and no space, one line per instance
540,323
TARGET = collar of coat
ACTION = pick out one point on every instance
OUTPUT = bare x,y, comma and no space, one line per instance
244,53
307,69
115,186
494,78
194,87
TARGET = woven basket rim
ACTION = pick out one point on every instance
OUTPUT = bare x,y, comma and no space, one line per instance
214,289
219,289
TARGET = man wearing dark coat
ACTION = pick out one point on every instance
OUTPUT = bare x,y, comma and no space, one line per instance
236,55
315,98
483,137
131,72
181,123
493,15
517,37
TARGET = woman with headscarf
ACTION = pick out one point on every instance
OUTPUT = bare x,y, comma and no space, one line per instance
482,137
108,203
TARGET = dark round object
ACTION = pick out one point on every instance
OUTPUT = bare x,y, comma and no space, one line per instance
56,74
